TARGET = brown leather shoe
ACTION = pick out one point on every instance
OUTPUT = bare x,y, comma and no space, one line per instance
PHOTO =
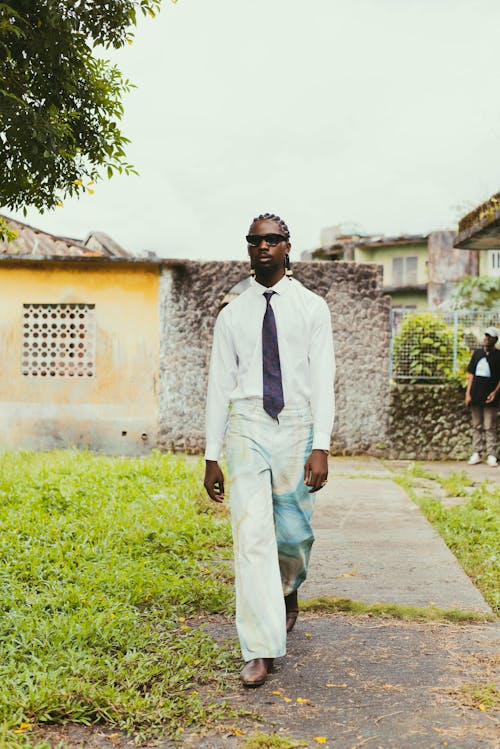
292,610
255,672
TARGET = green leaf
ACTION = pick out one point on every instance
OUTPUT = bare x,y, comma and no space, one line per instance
60,104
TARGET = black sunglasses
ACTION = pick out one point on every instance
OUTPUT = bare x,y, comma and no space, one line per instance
270,239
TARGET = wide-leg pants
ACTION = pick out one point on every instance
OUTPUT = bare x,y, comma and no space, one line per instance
271,510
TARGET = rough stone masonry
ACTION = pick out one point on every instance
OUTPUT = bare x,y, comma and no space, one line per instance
406,421
191,295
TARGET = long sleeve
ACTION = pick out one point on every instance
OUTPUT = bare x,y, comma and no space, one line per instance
221,382
322,369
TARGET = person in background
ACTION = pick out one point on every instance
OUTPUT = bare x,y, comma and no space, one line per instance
483,395
270,387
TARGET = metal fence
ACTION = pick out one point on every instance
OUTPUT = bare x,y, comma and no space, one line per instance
435,346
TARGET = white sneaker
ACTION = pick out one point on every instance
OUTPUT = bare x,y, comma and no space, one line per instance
475,458
492,461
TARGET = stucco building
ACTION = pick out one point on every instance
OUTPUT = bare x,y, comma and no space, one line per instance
79,344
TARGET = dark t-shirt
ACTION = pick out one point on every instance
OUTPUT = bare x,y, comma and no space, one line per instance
483,385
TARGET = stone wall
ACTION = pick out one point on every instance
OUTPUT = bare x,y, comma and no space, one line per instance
428,422
191,294
190,298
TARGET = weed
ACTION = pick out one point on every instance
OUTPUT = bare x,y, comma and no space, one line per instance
391,611
456,485
482,696
273,741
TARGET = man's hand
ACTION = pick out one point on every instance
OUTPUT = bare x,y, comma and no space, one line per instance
491,397
214,481
316,470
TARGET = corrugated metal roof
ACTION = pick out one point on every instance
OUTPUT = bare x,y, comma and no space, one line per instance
33,244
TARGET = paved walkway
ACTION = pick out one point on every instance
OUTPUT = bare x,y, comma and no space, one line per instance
354,681
373,544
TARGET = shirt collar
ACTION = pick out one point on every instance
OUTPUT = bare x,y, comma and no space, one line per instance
281,287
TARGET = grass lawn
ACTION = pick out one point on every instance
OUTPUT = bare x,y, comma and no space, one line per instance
102,563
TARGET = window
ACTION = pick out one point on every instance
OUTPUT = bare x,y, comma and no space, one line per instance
58,340
494,262
404,270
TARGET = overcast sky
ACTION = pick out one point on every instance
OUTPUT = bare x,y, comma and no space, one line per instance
381,113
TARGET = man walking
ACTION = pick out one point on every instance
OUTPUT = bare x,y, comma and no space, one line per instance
270,394
482,395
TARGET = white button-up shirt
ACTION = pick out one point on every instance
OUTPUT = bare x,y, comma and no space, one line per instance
306,356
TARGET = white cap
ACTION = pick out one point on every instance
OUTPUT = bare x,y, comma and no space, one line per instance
492,332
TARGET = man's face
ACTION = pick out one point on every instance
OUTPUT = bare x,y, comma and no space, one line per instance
489,341
266,259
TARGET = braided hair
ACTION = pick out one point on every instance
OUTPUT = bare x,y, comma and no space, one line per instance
271,217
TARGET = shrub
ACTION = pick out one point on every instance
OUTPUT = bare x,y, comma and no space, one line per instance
423,350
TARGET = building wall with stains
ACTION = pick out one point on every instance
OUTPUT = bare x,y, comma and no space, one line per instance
115,408
447,266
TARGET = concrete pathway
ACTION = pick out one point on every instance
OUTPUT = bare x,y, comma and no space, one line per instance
373,544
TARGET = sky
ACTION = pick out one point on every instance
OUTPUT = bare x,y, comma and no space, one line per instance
378,113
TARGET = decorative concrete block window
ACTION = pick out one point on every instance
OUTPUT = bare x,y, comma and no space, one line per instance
404,270
494,262
58,340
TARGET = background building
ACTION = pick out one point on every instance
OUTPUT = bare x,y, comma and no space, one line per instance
419,271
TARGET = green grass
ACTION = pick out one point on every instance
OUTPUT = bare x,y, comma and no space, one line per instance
11,740
273,741
482,696
471,530
102,562
333,605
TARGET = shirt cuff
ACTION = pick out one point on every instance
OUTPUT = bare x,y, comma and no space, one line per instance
321,441
213,451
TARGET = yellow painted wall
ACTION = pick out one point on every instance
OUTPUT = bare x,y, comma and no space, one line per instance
115,411
383,256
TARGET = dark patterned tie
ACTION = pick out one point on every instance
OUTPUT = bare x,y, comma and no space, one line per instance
271,368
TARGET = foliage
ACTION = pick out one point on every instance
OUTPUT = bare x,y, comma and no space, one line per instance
105,565
476,292
60,104
7,234
471,530
423,349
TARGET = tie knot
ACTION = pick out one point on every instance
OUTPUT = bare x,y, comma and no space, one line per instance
268,295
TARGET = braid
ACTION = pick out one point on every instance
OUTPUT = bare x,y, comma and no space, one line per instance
276,219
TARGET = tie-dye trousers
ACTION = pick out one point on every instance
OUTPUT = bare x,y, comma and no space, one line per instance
271,510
